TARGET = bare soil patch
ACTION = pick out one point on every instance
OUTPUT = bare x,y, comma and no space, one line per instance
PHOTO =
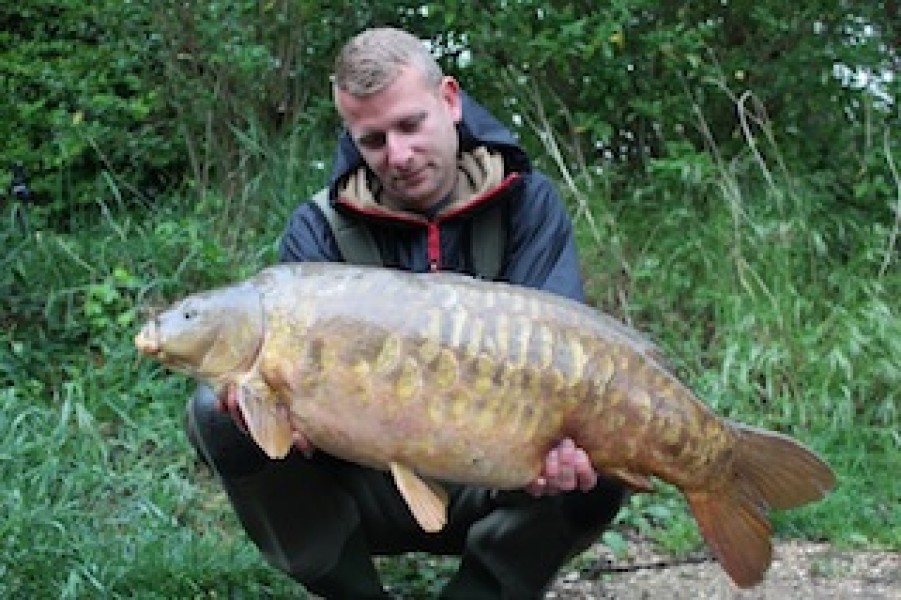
800,571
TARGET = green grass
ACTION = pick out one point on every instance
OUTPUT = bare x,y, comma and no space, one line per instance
102,498
770,302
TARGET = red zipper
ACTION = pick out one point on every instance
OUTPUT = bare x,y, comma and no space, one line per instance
434,246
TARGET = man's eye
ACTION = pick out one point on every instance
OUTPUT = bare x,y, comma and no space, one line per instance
372,141
409,126
412,124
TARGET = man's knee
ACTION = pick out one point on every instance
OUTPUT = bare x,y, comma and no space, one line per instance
228,450
595,509
525,543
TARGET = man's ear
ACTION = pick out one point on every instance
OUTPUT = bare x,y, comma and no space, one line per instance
450,94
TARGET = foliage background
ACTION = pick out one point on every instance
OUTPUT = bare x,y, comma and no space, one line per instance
732,169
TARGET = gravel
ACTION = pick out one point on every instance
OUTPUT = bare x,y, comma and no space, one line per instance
800,571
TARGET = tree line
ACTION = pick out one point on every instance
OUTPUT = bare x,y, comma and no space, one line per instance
157,95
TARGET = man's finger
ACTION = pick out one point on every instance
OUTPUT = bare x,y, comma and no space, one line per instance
552,464
302,444
586,476
227,402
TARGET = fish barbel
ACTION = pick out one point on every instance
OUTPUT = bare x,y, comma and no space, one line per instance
445,377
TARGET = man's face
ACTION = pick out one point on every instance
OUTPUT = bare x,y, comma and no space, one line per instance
406,134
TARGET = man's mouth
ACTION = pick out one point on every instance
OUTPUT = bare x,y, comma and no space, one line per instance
411,178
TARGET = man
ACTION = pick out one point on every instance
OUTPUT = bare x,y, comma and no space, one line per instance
418,165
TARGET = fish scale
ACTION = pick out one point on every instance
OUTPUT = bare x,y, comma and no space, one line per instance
469,358
451,378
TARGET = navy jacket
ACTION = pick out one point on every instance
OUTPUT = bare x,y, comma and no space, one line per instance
540,249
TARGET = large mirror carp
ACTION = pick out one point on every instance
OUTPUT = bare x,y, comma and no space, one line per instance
443,377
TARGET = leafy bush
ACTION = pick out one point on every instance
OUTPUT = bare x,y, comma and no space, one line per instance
78,101
148,94
619,83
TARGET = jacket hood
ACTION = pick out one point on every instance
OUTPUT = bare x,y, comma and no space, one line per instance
478,127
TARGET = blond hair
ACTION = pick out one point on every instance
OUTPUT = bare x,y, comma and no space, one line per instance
371,60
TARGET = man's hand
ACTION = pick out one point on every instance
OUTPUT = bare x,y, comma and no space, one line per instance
228,404
566,468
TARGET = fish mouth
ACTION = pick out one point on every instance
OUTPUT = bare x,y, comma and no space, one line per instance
148,339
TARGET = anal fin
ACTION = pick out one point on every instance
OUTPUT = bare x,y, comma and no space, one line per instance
427,501
639,483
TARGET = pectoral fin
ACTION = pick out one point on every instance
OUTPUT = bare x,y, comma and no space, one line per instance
269,427
427,501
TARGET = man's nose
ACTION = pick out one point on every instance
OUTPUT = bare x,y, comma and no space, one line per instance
400,150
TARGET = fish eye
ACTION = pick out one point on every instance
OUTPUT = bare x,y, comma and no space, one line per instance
189,313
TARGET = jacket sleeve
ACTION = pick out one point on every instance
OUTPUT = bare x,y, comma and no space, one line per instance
307,237
542,252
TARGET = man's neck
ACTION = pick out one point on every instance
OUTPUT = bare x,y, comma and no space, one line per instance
429,212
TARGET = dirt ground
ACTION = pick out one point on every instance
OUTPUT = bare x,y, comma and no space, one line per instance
800,571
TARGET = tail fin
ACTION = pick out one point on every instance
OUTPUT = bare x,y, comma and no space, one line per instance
769,470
